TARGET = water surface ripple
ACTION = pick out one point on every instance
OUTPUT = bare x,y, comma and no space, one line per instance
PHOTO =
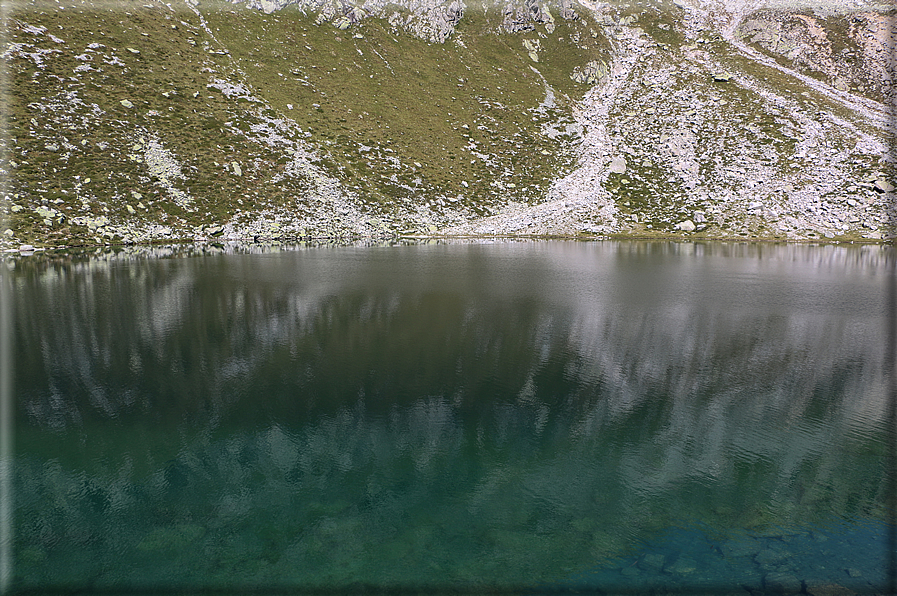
607,416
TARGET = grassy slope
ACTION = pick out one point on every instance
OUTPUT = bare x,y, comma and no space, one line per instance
421,108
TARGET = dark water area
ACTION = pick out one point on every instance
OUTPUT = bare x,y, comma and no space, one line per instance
605,417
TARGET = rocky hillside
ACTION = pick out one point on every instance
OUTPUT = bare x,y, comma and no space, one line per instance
152,121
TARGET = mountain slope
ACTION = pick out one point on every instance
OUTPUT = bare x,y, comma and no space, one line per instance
158,122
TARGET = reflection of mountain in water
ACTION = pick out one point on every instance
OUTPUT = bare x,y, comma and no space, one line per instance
451,412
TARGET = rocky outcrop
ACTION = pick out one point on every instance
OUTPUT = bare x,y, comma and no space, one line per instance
432,20
591,73
852,51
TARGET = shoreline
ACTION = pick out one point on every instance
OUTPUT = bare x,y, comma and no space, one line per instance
323,241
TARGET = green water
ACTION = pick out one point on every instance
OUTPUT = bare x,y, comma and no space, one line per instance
610,417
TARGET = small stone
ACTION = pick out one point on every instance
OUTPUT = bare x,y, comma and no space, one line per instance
686,226
852,572
127,103
723,77
51,147
237,169
134,50
630,571
26,248
8,232
131,210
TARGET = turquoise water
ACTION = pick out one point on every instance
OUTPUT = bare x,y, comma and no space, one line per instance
613,417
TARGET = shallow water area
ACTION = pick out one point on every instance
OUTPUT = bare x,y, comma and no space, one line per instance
620,417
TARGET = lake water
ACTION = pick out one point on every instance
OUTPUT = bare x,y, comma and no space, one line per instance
610,417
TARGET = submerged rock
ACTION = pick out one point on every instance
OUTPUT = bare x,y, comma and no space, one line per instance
782,583
652,562
816,589
682,566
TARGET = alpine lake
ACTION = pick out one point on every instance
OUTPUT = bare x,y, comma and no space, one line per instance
604,417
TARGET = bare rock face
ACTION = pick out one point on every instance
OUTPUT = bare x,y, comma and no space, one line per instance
524,17
851,51
431,20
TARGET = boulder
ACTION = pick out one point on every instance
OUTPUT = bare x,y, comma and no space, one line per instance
782,583
617,165
884,186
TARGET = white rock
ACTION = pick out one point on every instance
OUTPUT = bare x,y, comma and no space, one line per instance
686,226
884,186
618,165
